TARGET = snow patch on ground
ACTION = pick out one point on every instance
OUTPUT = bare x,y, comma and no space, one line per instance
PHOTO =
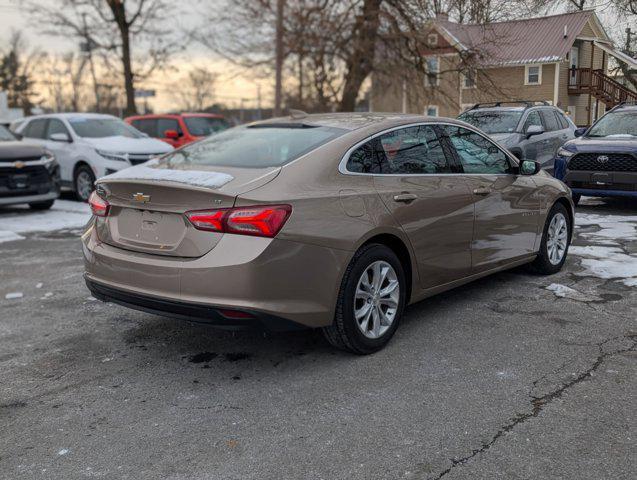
607,263
64,215
563,291
612,227
13,295
191,177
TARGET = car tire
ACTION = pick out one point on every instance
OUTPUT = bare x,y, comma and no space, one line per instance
556,239
41,205
576,198
368,328
83,182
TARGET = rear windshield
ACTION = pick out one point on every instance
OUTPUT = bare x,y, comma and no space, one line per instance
259,146
493,121
615,124
204,126
102,127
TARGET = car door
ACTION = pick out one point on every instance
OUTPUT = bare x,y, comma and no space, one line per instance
506,204
554,131
536,147
414,178
63,151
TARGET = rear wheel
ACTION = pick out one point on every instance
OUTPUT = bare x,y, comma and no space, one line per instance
555,242
41,205
84,182
370,302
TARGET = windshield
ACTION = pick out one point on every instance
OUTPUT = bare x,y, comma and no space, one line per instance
259,146
5,135
102,127
620,124
204,126
492,121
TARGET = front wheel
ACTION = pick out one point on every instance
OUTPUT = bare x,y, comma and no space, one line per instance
84,182
370,302
555,241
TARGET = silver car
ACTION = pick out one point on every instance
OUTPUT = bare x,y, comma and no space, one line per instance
529,131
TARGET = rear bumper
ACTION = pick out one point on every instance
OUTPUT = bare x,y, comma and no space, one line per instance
269,278
193,312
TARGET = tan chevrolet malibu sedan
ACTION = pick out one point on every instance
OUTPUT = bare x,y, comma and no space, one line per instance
334,221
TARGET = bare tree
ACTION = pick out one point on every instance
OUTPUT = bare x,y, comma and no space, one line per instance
197,90
113,28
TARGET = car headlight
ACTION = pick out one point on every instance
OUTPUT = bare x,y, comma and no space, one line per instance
48,160
117,156
562,152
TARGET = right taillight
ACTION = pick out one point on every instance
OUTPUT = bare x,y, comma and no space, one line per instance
260,220
98,205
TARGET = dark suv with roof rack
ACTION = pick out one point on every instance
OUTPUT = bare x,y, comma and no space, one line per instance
528,129
602,162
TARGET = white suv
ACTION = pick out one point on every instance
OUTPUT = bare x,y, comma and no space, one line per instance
89,145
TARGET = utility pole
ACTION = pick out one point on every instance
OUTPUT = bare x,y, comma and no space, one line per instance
280,6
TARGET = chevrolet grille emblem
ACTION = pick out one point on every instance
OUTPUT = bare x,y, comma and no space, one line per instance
140,197
18,164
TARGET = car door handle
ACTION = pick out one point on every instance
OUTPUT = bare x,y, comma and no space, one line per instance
482,191
405,197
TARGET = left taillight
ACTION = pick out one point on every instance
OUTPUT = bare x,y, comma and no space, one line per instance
259,221
99,206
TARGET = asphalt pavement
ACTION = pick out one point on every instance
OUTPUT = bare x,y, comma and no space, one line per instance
500,379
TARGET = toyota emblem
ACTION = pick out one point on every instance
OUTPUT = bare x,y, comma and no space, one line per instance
602,159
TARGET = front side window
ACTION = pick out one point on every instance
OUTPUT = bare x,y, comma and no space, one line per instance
164,124
492,121
408,151
36,128
55,126
102,127
615,124
550,121
533,75
256,146
533,119
476,153
147,126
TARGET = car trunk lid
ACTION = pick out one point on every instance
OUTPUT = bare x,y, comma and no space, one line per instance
147,205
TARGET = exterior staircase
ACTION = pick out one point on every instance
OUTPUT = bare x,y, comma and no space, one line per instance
599,85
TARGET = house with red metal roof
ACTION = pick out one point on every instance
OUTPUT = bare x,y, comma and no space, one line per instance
560,59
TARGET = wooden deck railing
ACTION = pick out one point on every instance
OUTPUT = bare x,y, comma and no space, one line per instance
600,85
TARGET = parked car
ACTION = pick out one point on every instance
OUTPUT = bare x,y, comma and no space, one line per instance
333,221
602,162
179,129
529,131
89,146
28,173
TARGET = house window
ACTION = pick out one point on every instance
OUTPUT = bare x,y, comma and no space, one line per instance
533,75
431,110
469,79
432,40
433,68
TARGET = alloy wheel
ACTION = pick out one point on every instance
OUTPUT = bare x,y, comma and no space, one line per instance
84,185
376,299
557,239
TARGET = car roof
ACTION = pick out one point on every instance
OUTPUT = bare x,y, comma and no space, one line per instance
355,121
497,109
70,115
173,115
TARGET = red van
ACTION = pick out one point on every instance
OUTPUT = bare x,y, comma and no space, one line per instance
180,128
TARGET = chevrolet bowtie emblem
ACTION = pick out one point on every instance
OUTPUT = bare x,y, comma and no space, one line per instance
18,164
140,197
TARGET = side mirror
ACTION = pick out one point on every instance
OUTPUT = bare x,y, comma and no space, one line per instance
529,167
534,130
17,135
580,131
60,137
172,134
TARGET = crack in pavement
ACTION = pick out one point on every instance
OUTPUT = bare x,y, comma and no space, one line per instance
538,403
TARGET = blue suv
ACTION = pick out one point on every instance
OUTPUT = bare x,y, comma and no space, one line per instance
602,161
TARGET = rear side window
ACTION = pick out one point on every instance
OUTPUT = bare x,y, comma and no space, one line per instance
164,124
412,150
561,120
36,128
256,146
476,153
550,121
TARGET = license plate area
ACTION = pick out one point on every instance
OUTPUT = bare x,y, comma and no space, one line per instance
602,179
19,181
152,229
